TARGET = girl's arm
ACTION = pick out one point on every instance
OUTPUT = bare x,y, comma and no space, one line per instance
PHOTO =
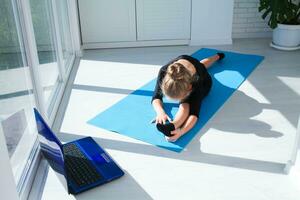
161,116
188,125
158,106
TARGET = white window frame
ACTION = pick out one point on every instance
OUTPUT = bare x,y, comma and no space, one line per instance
33,61
7,182
22,8
63,74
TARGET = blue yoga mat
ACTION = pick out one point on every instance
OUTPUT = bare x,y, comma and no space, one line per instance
131,115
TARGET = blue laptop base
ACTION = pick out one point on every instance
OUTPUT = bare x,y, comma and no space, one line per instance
93,152
131,115
53,150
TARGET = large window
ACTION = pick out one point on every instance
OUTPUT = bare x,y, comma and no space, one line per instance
65,32
54,45
44,31
16,92
35,47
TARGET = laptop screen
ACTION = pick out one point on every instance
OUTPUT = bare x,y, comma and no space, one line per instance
51,147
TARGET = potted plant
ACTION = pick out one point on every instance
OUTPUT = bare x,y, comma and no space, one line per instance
284,18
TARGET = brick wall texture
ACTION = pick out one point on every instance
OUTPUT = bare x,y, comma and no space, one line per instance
247,21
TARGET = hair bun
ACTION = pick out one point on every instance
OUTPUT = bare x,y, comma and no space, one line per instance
177,71
177,81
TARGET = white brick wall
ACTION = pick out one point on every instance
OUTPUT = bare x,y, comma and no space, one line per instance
247,21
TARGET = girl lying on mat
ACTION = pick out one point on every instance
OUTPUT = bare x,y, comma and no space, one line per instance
184,79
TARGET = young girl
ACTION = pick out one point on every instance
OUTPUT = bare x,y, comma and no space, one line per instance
184,79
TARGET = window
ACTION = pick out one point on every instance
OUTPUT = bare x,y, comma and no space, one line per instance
16,92
44,31
36,46
65,32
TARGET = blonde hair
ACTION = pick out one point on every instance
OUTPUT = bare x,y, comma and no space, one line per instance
177,81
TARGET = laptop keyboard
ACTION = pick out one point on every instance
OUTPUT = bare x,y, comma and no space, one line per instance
79,167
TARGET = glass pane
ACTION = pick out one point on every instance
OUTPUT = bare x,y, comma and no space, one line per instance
16,94
42,18
65,32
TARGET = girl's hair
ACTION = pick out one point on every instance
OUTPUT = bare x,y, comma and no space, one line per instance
176,82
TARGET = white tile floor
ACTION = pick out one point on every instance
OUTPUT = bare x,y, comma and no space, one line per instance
237,155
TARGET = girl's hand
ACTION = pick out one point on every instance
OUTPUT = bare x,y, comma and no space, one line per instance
176,134
161,118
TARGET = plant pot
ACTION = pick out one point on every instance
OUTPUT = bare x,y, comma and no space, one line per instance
286,36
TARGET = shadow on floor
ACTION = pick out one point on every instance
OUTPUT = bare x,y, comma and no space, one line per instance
243,113
116,189
273,66
192,153
111,190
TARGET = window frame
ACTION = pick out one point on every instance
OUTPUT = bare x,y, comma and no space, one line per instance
22,15
6,173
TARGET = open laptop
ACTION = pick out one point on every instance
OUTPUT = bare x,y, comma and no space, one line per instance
83,163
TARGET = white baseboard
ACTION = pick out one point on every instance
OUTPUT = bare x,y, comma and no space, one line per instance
134,44
216,41
267,34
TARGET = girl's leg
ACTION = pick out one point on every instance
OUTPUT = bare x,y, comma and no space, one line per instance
210,60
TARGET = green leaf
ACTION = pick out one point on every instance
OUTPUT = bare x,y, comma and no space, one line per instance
266,13
260,8
280,11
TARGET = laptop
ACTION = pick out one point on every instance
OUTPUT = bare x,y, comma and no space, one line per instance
83,163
